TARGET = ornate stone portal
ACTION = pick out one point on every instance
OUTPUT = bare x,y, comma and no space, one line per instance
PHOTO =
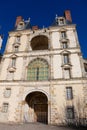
36,108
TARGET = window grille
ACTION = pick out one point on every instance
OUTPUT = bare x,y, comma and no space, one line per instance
70,113
38,70
69,93
5,107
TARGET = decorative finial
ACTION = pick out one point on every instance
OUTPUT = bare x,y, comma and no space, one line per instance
56,16
43,26
29,19
56,19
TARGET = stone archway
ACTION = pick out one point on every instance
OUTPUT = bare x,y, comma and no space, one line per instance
39,42
36,107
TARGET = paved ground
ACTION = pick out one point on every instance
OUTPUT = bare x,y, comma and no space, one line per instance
31,126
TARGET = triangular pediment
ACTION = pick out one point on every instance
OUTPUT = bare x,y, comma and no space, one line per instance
65,52
62,30
13,56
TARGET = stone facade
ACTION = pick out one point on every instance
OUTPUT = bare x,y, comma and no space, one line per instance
42,74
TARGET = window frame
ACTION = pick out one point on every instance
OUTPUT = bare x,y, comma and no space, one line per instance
7,92
61,21
16,48
70,112
13,63
69,73
63,34
21,25
65,58
38,71
69,93
5,106
17,39
64,45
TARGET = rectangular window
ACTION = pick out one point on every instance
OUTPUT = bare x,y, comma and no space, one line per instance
5,107
67,73
16,48
7,92
69,93
70,113
63,34
61,21
18,39
13,62
65,45
66,58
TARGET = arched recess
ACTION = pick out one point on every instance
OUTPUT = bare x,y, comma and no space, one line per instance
38,70
39,43
37,107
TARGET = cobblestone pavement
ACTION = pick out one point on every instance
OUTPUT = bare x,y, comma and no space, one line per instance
32,126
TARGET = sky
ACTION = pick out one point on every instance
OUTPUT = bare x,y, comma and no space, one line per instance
42,13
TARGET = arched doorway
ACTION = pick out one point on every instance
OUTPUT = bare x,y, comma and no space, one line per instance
38,107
